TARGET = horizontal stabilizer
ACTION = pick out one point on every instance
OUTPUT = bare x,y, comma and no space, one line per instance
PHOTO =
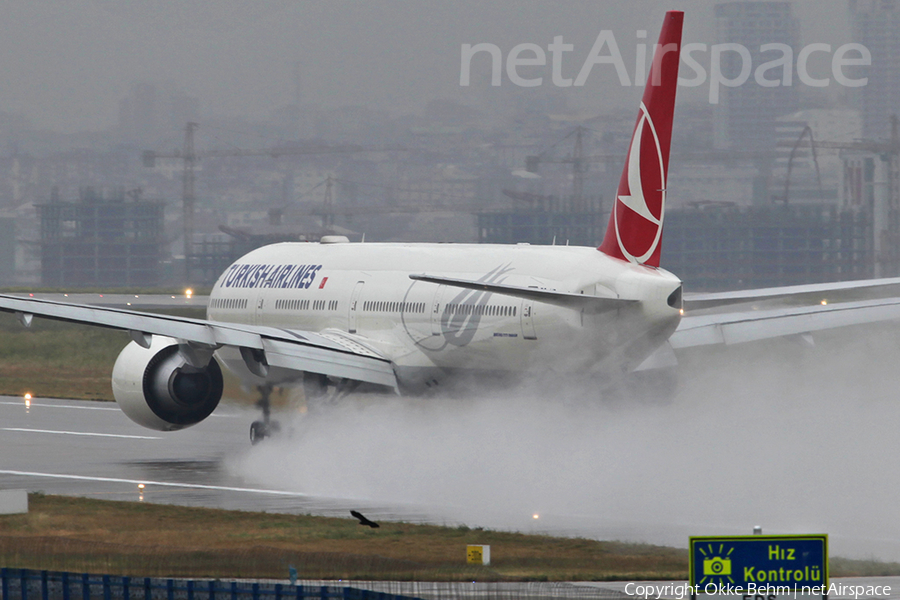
589,304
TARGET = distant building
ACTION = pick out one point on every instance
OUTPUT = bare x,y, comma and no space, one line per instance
876,25
729,182
858,178
213,253
545,221
715,248
869,180
101,241
745,117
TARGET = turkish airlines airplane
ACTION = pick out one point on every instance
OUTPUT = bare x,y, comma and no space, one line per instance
410,317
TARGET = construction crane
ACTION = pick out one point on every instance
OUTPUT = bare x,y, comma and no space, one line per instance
190,157
577,159
886,209
807,131
889,150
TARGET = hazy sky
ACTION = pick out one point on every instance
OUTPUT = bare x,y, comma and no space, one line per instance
67,64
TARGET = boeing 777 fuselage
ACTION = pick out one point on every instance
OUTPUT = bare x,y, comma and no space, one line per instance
430,331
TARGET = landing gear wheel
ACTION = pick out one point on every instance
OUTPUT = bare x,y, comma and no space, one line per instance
257,432
260,430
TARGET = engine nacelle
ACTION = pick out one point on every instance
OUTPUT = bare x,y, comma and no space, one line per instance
158,389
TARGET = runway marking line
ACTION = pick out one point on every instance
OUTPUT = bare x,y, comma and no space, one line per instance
60,406
111,435
196,486
226,416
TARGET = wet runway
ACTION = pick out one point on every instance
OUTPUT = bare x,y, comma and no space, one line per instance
92,449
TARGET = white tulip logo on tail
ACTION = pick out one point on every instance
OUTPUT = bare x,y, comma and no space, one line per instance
636,200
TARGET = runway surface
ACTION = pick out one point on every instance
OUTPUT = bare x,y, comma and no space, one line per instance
92,449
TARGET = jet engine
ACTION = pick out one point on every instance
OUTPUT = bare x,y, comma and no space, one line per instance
156,386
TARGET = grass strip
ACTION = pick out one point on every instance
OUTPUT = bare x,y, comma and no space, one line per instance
139,539
147,540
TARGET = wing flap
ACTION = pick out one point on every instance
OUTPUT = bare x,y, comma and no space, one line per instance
841,291
312,359
589,304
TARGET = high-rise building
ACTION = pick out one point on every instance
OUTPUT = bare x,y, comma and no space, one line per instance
745,117
102,241
718,248
876,25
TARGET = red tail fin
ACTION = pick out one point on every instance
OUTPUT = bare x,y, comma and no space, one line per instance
635,226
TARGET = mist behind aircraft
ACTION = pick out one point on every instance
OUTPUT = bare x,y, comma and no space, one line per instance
790,438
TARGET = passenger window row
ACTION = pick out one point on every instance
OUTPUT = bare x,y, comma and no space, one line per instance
292,305
232,303
406,307
485,310
374,306
296,304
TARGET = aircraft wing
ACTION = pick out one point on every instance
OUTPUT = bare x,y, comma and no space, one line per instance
816,292
740,327
289,349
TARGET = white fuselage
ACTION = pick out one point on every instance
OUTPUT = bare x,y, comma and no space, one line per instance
363,292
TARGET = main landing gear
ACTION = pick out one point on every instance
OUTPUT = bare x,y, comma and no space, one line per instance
260,430
320,393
